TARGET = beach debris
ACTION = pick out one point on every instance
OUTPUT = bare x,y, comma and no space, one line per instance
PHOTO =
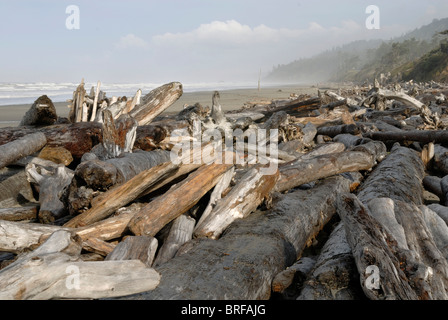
350,182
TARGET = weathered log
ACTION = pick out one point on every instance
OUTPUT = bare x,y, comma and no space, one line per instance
242,263
156,101
437,228
97,246
123,194
181,231
296,108
41,113
296,173
440,210
28,212
22,147
418,273
53,271
99,174
176,201
334,275
398,177
16,236
53,181
141,248
118,135
243,199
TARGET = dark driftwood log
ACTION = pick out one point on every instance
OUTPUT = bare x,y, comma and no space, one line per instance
333,131
424,136
334,275
176,201
441,159
156,101
420,272
242,263
296,173
296,107
22,147
41,113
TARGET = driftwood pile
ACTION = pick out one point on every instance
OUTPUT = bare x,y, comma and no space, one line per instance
95,206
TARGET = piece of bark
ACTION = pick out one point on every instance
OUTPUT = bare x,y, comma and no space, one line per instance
244,198
176,201
419,273
41,113
53,181
242,263
287,283
16,190
156,101
334,275
296,173
123,194
28,212
141,248
22,147
54,271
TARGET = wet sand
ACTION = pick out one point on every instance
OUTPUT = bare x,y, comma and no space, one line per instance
11,115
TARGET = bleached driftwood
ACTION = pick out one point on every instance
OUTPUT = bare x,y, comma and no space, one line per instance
22,147
141,248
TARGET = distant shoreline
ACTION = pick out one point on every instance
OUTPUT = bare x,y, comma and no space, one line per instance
230,99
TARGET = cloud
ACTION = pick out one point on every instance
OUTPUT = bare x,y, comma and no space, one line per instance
131,41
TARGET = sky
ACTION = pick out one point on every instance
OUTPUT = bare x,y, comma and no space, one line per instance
190,41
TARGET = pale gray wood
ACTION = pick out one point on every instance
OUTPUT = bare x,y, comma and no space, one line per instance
141,248
22,147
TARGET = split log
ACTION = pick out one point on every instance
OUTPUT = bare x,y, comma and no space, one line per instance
242,263
53,271
141,248
53,181
334,275
155,102
123,194
41,113
176,201
419,273
296,173
22,147
243,199
181,231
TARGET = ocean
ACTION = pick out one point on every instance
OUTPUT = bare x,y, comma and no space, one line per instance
27,93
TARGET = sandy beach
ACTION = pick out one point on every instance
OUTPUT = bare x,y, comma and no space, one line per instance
11,115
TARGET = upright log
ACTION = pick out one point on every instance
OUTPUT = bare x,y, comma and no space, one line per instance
41,113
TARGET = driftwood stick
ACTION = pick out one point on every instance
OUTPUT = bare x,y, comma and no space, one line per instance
95,101
176,201
15,150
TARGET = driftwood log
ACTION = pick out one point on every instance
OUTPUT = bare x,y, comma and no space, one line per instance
25,146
